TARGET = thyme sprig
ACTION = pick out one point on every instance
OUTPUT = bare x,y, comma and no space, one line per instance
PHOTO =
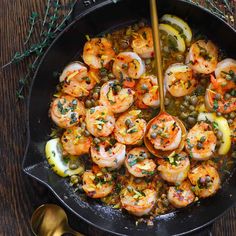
53,21
32,21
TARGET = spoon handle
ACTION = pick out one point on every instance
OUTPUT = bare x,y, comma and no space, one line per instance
157,50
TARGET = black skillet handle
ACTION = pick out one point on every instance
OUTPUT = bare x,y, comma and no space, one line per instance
84,5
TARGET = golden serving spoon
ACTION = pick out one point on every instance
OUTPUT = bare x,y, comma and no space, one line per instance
158,65
50,220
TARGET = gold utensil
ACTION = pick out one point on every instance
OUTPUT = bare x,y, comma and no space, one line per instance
158,65
50,220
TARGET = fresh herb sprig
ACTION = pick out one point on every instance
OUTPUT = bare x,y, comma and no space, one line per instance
53,21
222,8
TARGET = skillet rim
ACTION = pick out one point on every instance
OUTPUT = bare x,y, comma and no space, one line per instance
84,12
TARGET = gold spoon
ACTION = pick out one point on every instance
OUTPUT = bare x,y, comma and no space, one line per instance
158,65
50,220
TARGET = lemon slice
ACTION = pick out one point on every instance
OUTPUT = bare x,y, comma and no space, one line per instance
222,126
171,31
180,25
55,158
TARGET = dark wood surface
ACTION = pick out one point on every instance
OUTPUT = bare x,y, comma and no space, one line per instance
19,195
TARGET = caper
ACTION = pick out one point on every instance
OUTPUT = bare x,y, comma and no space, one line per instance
194,114
193,100
93,102
191,120
118,88
232,115
144,87
182,108
148,61
73,166
96,140
187,98
217,97
95,95
111,76
218,114
179,57
153,134
124,44
191,108
230,121
86,133
103,71
74,179
183,115
115,82
227,96
226,116
219,134
186,104
105,79
167,101
208,178
234,154
88,103
128,122
165,203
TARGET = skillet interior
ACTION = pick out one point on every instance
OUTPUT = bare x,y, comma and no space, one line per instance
100,17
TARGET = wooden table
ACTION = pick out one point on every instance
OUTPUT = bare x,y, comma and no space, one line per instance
19,195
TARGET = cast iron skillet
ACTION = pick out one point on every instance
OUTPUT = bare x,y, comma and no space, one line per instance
96,17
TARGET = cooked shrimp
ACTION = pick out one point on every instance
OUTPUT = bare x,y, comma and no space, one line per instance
100,121
128,65
114,97
98,52
67,111
76,80
224,83
138,162
205,179
97,184
142,43
175,168
202,57
105,155
224,67
165,134
181,196
179,80
201,142
147,91
129,129
74,142
138,202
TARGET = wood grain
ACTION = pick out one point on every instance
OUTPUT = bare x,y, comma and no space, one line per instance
19,195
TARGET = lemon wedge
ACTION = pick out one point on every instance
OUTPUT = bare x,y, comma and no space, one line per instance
55,158
222,126
180,25
175,35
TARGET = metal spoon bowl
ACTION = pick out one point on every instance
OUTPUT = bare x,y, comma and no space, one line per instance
50,220
158,64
